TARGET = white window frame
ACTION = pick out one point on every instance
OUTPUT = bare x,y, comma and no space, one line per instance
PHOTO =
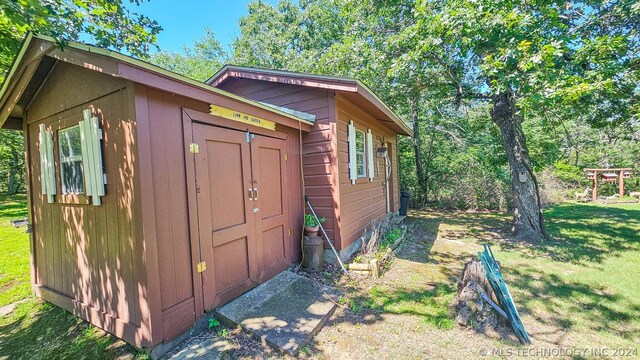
361,150
69,160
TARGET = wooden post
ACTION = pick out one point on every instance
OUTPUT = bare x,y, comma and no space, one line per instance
621,184
594,192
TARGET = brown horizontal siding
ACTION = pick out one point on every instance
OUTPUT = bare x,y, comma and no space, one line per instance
364,201
87,258
316,145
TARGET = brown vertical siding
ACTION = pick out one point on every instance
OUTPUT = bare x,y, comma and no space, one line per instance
86,257
319,175
167,190
168,200
364,201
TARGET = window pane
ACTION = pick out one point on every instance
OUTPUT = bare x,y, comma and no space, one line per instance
71,168
70,142
359,141
360,157
72,177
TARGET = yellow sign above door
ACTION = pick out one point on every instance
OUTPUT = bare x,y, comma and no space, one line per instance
241,117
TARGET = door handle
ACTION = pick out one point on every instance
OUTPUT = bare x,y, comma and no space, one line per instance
250,194
256,190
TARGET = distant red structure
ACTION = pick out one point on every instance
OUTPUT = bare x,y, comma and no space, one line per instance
608,175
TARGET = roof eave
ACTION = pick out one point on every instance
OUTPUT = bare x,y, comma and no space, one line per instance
367,93
360,88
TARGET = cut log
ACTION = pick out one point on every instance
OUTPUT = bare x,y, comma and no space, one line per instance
470,309
373,266
358,266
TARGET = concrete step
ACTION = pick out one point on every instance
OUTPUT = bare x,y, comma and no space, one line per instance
284,312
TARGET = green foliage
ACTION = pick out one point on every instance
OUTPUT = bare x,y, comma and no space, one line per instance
311,221
12,167
107,23
198,62
213,323
390,238
554,56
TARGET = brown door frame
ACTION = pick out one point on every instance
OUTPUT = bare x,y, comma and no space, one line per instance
192,206
189,118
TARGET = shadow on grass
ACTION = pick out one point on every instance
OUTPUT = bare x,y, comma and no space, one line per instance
13,207
563,308
579,233
564,304
37,330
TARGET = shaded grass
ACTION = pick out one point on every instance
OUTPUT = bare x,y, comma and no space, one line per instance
432,305
36,329
579,288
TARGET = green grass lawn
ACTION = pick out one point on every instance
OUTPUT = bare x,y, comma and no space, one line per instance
586,281
15,277
35,329
580,288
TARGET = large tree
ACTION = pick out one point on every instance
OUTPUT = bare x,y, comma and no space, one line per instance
527,56
106,23
524,58
199,61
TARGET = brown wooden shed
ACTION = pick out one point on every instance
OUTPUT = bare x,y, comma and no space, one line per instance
349,197
154,198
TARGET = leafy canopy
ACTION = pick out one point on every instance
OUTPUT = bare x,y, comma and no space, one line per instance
550,53
105,23
198,62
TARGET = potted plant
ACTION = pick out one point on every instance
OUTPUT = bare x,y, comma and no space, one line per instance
311,224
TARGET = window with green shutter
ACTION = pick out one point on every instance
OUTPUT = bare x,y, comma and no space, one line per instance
71,163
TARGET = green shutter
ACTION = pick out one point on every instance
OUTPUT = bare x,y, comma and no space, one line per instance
370,154
353,168
47,168
90,136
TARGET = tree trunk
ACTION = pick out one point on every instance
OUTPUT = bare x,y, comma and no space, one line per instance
528,222
417,146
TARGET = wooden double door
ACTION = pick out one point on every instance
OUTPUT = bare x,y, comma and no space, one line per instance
241,191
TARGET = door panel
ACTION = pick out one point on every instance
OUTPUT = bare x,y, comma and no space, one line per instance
226,223
268,165
242,208
226,186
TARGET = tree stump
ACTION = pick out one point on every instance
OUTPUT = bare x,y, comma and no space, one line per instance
468,306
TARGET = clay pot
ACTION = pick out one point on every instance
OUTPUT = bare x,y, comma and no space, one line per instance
312,230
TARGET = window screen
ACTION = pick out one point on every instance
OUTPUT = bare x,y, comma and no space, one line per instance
71,169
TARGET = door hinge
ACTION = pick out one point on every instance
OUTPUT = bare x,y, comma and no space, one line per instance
286,157
202,266
194,148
